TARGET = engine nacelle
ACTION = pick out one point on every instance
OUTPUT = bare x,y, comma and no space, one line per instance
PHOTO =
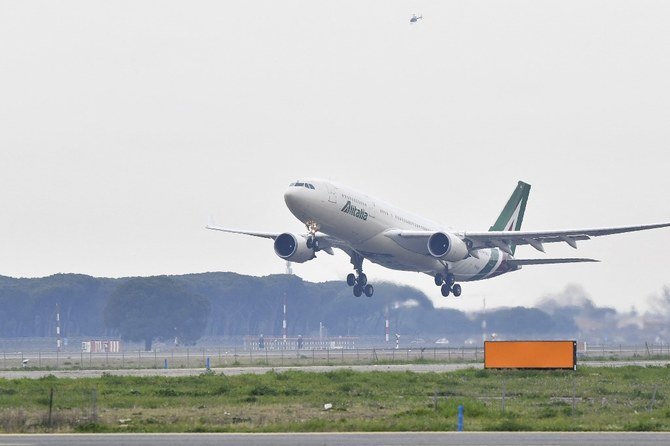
445,246
293,248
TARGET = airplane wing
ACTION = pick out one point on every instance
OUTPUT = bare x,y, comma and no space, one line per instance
521,262
505,239
327,242
272,235
417,241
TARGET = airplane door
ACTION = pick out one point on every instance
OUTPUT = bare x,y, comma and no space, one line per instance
332,194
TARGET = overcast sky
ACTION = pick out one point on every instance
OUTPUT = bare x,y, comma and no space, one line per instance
123,125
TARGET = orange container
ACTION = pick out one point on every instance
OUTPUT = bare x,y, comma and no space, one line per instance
530,355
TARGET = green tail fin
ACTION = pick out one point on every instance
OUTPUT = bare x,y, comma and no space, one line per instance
511,217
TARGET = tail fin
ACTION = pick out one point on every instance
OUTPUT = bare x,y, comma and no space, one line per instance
511,217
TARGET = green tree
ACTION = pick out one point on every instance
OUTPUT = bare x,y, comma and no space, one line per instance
156,308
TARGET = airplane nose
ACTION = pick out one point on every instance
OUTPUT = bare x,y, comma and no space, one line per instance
291,197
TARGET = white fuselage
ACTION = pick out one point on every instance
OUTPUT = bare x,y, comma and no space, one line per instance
361,221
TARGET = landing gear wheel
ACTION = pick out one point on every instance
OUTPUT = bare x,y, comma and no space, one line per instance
362,279
439,280
312,243
450,280
358,290
369,290
351,279
446,289
456,289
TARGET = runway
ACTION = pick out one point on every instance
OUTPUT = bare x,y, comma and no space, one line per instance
348,439
418,368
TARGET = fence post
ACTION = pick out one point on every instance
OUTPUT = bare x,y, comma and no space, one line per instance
188,358
94,406
51,404
503,396
574,392
81,360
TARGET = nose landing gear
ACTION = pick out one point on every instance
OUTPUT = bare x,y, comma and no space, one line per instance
447,284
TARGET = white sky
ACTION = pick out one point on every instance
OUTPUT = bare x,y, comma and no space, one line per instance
123,125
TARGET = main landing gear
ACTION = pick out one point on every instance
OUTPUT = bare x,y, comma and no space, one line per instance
359,281
447,284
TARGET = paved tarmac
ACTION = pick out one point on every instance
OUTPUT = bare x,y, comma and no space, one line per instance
419,368
348,439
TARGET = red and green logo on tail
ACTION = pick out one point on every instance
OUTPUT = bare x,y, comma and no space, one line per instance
511,217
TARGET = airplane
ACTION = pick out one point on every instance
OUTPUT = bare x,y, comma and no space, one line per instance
415,18
366,228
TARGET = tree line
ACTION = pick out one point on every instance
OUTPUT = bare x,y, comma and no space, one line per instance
228,304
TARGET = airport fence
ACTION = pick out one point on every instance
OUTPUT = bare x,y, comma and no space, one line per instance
213,357
190,358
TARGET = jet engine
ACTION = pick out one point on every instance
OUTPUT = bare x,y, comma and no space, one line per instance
445,246
293,247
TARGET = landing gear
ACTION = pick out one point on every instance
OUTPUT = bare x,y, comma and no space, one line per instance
312,241
359,281
447,284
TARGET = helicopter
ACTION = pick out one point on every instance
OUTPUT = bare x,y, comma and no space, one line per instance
415,18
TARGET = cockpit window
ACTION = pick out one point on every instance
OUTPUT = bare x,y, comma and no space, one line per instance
299,184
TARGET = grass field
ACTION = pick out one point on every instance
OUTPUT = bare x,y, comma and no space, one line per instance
602,398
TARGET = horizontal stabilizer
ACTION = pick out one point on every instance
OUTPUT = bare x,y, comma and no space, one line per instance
521,262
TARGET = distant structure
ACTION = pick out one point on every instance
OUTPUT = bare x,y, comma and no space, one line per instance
59,341
289,268
386,316
484,323
283,324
